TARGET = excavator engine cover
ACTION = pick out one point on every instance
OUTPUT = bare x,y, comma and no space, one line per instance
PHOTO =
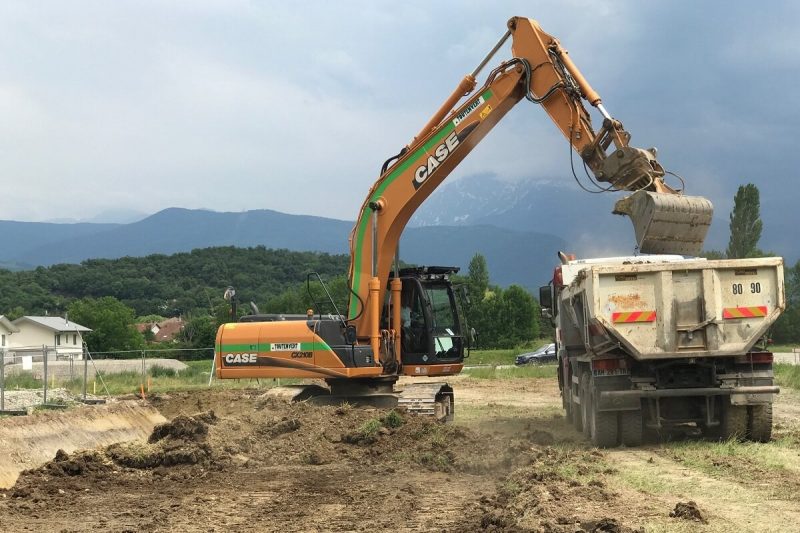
667,223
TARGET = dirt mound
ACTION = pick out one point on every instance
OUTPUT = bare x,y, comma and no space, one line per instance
194,428
178,442
78,464
181,441
32,441
274,432
531,498
688,511
65,465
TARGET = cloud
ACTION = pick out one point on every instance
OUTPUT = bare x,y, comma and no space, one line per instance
242,105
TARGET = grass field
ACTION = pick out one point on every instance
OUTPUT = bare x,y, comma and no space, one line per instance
782,348
196,376
531,371
787,375
502,357
159,379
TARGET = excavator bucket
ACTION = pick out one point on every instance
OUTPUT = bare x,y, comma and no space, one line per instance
667,223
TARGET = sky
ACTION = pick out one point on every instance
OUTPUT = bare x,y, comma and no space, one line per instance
231,105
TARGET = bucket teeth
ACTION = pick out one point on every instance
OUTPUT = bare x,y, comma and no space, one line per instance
667,223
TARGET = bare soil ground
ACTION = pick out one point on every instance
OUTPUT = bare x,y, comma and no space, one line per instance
235,460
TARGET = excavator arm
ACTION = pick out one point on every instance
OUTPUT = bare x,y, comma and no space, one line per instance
540,71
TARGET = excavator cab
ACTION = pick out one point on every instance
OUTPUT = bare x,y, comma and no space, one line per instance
432,329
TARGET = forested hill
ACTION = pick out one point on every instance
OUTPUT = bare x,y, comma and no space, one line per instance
165,284
523,255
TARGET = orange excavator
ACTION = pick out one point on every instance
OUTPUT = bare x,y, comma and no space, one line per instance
407,321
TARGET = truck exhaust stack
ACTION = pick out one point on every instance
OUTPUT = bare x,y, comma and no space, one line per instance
667,223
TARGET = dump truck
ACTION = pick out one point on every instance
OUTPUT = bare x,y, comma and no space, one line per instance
665,342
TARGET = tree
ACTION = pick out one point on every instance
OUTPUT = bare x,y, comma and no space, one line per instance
745,223
200,331
519,320
787,328
712,254
505,318
111,322
477,278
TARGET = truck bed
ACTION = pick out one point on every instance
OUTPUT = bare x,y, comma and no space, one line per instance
679,308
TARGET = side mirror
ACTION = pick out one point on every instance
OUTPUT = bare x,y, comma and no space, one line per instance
546,300
350,336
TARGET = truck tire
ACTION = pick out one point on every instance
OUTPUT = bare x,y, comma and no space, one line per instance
733,423
630,428
604,425
605,428
760,422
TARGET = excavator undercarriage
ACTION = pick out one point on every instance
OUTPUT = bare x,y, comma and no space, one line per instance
433,399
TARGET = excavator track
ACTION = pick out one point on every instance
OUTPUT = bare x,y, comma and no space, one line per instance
428,399
423,399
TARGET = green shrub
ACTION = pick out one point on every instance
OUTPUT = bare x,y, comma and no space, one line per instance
393,419
370,428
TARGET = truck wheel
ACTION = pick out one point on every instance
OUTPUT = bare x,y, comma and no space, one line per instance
760,422
604,425
605,428
734,422
630,428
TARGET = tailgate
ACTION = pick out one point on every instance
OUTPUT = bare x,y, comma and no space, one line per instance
687,309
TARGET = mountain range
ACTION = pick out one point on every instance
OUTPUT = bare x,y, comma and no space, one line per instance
518,226
582,220
513,255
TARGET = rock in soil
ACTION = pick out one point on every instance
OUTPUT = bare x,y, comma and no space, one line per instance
688,511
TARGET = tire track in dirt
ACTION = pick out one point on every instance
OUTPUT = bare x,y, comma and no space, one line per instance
749,499
727,504
331,498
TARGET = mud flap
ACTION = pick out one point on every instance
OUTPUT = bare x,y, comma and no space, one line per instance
667,223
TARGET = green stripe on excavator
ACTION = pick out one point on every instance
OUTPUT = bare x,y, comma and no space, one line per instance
362,228
267,347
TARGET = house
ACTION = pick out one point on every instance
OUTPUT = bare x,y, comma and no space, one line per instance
152,327
168,329
7,328
60,337
165,331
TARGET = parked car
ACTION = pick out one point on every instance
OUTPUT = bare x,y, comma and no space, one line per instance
545,354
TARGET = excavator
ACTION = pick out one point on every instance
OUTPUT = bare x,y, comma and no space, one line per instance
407,321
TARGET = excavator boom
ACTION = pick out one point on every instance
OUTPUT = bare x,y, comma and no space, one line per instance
542,72
407,321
